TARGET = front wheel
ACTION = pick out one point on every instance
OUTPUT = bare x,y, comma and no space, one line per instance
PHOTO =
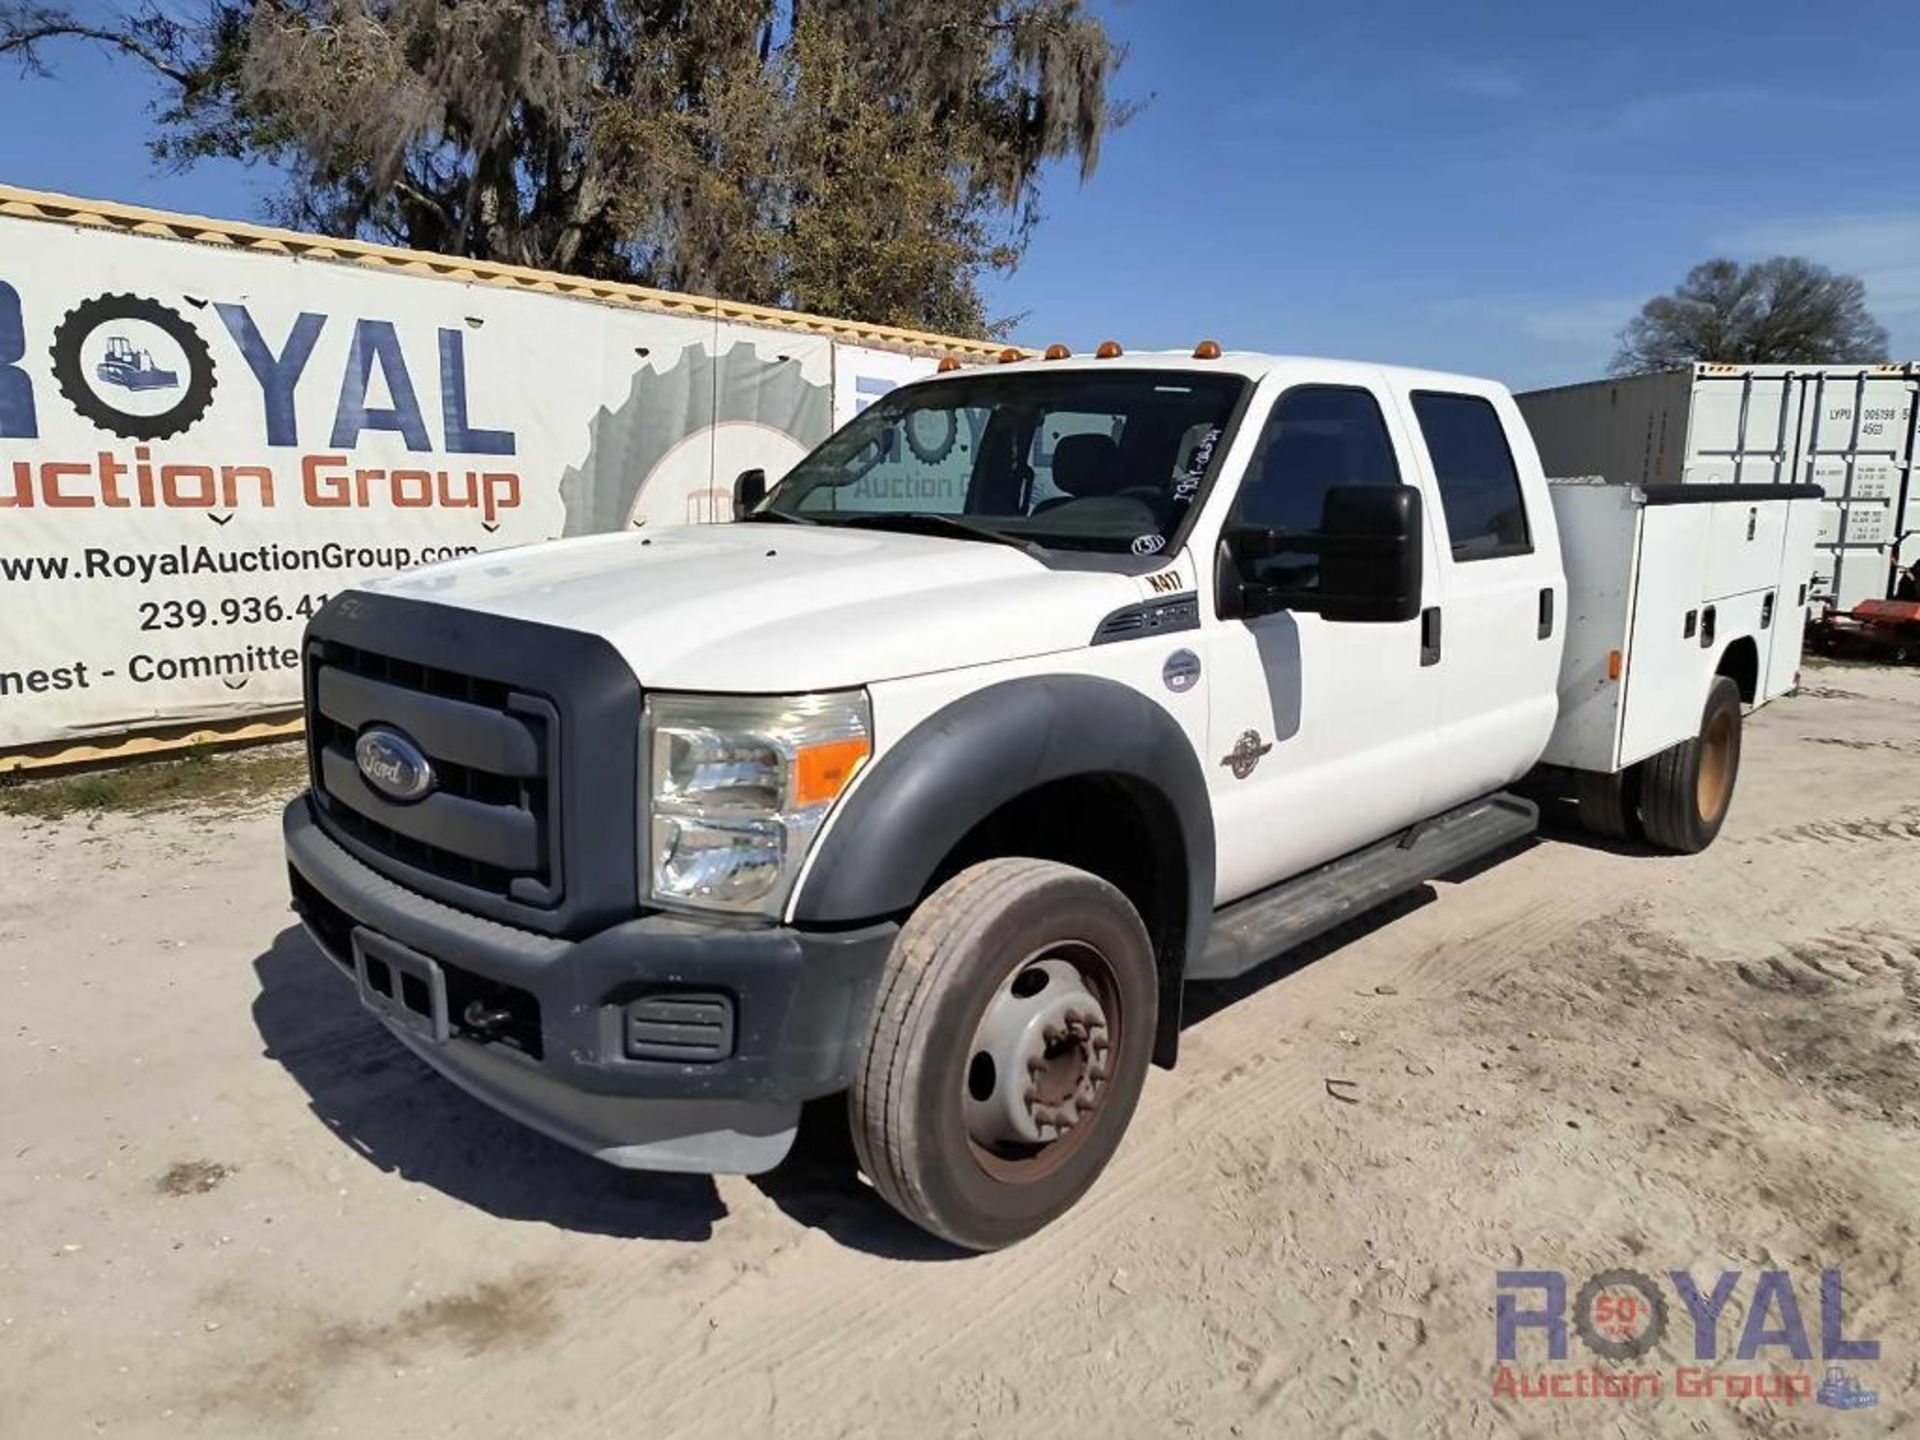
1007,1051
1686,789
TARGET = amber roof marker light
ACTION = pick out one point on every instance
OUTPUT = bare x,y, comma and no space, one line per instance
949,364
1011,354
1207,350
1109,350
1057,351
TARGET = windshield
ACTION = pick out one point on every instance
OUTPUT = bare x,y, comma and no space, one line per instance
1079,460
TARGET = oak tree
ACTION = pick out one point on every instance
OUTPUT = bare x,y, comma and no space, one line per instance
1780,311
866,158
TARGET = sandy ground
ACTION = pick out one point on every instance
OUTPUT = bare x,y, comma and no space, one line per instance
231,1205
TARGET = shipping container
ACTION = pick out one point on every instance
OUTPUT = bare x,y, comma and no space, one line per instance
1850,429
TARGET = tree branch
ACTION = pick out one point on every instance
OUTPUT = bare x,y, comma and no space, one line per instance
21,40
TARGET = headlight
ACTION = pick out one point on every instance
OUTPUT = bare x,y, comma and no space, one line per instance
739,785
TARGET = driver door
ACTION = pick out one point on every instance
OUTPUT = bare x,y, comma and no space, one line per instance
1323,734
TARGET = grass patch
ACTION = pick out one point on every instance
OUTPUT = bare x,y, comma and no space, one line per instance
228,781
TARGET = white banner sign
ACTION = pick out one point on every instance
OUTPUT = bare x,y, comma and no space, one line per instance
861,376
198,446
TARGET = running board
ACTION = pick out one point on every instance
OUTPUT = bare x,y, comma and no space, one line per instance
1252,931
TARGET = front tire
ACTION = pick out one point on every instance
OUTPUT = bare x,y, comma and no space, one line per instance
1007,1050
1688,788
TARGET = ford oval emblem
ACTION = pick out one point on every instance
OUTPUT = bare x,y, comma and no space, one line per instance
393,765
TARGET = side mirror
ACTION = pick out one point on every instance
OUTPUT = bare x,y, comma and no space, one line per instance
1370,561
748,491
1364,561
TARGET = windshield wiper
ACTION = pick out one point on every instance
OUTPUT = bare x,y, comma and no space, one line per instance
787,517
920,521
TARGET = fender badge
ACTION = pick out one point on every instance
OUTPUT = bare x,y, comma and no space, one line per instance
1181,672
1245,754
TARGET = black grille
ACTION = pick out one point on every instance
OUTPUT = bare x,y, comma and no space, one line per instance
491,822
533,731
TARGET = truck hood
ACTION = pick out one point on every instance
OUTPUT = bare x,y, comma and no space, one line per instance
784,608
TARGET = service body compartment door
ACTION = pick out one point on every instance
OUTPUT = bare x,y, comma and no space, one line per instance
1600,547
1790,606
1675,636
1744,546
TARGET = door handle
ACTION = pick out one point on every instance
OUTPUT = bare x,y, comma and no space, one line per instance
1546,614
1430,635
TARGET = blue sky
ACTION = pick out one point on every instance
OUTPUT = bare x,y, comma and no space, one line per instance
1471,184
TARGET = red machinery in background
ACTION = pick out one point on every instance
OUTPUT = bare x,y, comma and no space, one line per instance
1881,629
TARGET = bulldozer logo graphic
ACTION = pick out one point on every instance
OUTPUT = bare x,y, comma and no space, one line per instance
133,367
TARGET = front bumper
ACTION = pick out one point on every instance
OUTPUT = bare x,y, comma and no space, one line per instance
557,1055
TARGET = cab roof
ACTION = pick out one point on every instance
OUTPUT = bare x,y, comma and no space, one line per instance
1248,364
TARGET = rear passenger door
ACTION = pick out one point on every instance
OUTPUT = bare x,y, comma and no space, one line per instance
1501,602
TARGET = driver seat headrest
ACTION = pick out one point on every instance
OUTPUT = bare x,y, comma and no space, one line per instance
1086,465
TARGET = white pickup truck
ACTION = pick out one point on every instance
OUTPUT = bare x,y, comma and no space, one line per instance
1036,692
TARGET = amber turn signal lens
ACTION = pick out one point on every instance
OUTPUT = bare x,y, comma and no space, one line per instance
1109,350
949,364
1207,350
822,771
1614,665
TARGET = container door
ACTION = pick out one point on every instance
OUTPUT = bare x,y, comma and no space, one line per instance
1743,427
1856,426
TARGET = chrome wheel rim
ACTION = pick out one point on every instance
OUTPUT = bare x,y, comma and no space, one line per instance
1041,1061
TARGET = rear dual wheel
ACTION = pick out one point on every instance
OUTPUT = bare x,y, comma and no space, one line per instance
1008,1047
1686,790
1608,803
1678,799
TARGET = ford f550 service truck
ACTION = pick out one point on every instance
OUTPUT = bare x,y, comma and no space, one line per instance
1036,692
